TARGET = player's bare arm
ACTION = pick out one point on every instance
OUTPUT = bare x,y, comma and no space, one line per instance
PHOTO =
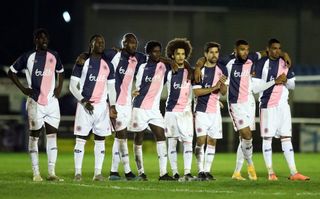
25,90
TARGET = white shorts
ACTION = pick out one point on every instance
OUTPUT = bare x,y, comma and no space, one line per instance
141,118
209,124
243,114
39,114
276,121
99,121
179,125
123,117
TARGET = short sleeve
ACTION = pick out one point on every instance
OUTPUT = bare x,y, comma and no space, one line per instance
20,64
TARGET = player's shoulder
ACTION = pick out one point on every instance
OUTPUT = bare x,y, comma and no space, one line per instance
140,56
261,61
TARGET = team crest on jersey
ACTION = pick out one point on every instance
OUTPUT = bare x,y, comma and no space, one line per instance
135,125
51,60
105,67
240,122
266,130
199,130
78,128
33,123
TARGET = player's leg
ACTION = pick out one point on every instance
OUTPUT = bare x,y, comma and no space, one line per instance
36,116
239,163
120,146
267,156
82,127
34,153
138,154
78,156
52,120
288,153
52,151
172,154
160,138
199,153
209,156
99,153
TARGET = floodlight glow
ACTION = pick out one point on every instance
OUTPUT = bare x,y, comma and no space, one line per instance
66,16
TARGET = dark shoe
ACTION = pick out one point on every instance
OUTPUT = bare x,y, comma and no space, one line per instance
209,176
114,176
176,176
142,177
187,178
130,176
166,177
202,176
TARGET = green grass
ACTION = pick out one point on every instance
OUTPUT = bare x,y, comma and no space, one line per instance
16,181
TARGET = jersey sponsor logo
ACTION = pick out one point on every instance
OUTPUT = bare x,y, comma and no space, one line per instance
123,71
180,86
156,78
46,72
244,73
100,78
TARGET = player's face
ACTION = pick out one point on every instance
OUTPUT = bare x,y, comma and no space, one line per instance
42,42
179,56
98,45
212,55
242,51
155,54
274,50
130,45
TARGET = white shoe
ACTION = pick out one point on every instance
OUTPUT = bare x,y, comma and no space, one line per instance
37,178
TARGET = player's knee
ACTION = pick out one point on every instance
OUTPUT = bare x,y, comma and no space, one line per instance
201,140
246,133
36,133
160,137
97,137
82,137
138,138
121,134
211,141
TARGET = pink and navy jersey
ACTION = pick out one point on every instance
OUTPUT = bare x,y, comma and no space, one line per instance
149,82
179,91
93,77
268,70
40,68
126,67
239,77
210,76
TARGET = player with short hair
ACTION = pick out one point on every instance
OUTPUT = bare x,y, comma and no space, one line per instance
40,66
208,122
178,116
92,84
272,81
146,103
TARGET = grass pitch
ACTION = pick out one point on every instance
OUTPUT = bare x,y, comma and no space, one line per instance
16,178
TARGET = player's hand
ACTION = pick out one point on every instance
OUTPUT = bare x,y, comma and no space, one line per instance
287,59
223,79
113,112
197,72
282,79
57,92
82,58
87,105
28,92
221,105
135,93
